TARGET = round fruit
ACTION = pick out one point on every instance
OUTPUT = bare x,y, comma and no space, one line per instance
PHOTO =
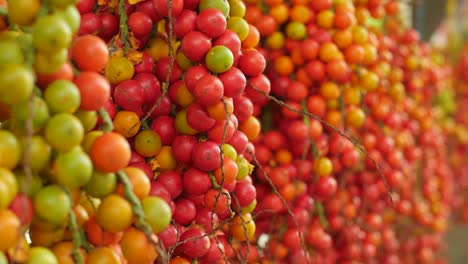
101,184
221,5
23,12
19,77
62,96
243,227
103,255
157,213
147,143
39,255
9,187
10,150
90,53
206,156
45,63
72,169
119,69
114,213
20,113
51,33
63,132
52,204
133,243
71,15
9,229
110,152
12,53
219,59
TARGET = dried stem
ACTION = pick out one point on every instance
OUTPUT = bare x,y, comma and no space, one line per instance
283,201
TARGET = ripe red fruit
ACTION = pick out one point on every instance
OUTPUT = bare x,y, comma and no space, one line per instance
90,24
185,212
191,4
172,181
209,90
319,5
338,70
148,8
184,23
23,208
239,141
343,19
292,238
194,74
234,82
129,95
211,22
162,70
162,7
88,46
165,127
215,253
146,65
218,201
206,218
271,203
258,88
325,187
230,40
164,107
245,193
158,189
252,63
206,156
196,182
94,90
151,87
198,118
243,108
182,147
169,236
109,26
221,132
85,6
195,243
195,45
316,70
140,24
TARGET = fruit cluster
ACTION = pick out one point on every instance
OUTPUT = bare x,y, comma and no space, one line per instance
66,184
181,75
382,202
459,124
220,131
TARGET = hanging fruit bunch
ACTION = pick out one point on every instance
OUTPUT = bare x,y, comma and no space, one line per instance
69,193
339,79
179,74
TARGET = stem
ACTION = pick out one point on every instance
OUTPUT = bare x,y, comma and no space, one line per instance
141,222
333,128
76,237
321,214
107,125
123,26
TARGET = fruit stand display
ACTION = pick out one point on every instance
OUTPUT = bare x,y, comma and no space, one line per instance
222,131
